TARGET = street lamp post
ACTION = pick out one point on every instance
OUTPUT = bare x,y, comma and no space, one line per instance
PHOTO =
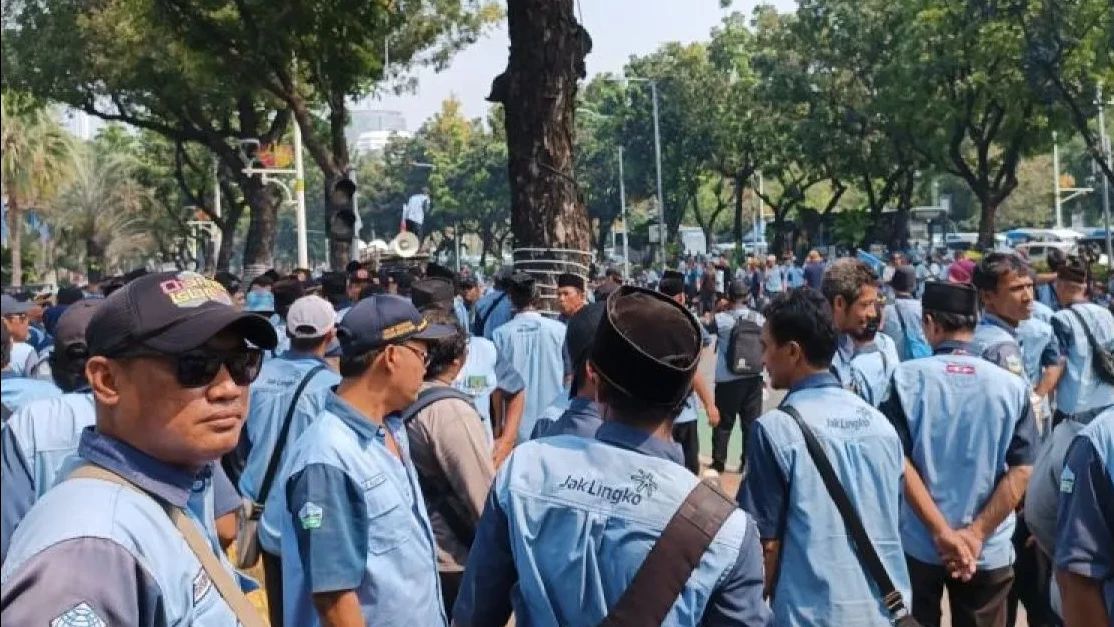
623,213
1073,192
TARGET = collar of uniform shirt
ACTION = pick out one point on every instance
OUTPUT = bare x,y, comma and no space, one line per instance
619,434
952,347
361,424
169,483
293,355
989,318
813,381
9,374
848,350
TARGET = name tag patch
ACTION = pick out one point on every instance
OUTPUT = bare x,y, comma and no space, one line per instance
310,515
964,369
80,615
1067,481
201,585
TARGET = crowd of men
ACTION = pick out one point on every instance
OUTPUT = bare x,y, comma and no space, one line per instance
406,448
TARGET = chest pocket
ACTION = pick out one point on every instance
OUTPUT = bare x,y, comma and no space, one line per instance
388,516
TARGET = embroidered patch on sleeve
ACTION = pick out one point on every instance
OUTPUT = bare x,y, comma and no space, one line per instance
311,516
80,615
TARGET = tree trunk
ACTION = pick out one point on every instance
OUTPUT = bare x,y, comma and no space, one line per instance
262,222
737,228
986,221
899,235
538,91
15,231
94,257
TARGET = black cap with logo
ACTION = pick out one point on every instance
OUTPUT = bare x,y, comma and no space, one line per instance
385,319
171,313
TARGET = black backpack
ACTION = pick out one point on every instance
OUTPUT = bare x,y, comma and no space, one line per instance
744,347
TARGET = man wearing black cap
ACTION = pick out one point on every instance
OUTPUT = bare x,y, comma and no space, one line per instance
577,414
739,385
169,366
570,295
570,520
1082,392
902,320
969,436
532,345
356,543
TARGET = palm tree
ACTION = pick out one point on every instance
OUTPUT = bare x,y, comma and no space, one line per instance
35,156
103,212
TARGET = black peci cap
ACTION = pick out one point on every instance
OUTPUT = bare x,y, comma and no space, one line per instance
647,346
570,280
70,329
947,297
433,292
171,313
385,319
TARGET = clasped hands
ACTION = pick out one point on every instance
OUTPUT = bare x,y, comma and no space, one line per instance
960,549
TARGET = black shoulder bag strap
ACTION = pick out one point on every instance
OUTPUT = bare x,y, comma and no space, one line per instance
891,597
430,396
280,444
670,562
481,318
1101,359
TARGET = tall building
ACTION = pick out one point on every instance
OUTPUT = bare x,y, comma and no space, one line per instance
371,129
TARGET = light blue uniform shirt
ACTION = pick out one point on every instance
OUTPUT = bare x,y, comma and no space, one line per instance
691,409
725,323
1085,543
351,517
821,580
532,345
121,561
774,280
795,276
964,422
1080,390
997,342
16,390
34,444
866,370
904,312
1042,312
461,312
485,370
496,310
569,521
23,358
271,394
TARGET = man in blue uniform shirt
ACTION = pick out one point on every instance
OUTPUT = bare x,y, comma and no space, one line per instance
493,309
580,415
738,397
902,319
864,360
1081,393
1005,290
1085,543
17,390
310,327
970,441
532,345
570,520
357,545
812,570
169,367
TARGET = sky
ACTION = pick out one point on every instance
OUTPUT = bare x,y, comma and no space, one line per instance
619,29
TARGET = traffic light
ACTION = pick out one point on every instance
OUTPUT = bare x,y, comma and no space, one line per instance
342,215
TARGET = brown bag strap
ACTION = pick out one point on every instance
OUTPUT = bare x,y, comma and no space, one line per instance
668,566
229,590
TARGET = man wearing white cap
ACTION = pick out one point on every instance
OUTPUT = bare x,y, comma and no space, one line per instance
287,395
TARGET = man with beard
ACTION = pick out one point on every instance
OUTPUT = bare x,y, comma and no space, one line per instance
864,360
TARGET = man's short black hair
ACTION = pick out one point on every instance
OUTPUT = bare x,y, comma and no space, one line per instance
286,291
1055,258
994,266
306,344
442,352
263,280
804,316
952,322
357,365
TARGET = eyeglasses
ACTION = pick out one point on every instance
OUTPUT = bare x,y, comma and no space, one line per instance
423,355
198,368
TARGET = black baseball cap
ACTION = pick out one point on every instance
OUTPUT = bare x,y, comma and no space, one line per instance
171,313
384,319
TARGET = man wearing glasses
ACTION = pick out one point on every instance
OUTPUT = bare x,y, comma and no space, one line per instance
170,361
357,545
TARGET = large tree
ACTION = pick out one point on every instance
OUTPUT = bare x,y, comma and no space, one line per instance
316,56
538,94
120,61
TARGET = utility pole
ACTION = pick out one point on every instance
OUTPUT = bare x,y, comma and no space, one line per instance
1056,182
657,153
300,199
1104,144
623,213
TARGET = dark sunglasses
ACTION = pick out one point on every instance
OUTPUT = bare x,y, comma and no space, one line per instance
198,368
